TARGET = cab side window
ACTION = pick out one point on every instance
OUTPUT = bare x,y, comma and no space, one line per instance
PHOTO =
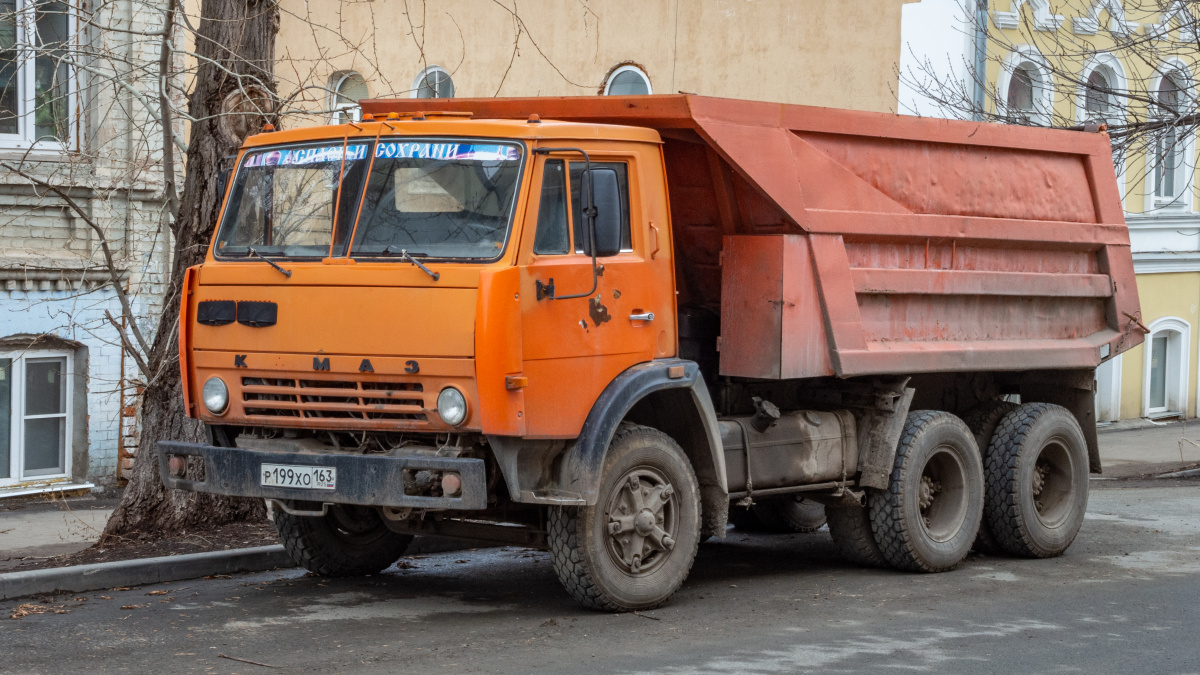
622,170
552,235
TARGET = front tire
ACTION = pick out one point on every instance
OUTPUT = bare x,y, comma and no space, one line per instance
634,548
1037,481
928,517
347,541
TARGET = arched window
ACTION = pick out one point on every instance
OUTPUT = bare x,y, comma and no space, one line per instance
1020,91
1165,368
1172,100
433,82
1098,98
349,89
627,81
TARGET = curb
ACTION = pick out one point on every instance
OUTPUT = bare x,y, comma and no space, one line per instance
137,572
1186,473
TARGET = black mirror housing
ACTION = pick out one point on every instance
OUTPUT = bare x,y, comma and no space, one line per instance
605,186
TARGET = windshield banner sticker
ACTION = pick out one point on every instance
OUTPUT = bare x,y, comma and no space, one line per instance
301,156
447,151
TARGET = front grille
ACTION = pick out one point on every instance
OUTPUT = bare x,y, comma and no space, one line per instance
338,399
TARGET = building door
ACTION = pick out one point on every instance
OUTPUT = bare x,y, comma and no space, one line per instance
1108,390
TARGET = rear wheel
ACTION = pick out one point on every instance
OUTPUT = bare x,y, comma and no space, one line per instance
850,527
635,547
347,541
928,517
982,420
790,514
1037,480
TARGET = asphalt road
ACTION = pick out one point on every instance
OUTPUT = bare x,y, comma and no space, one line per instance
1125,599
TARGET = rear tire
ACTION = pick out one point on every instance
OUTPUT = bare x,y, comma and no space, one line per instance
1037,481
850,527
635,547
348,541
790,515
928,517
982,420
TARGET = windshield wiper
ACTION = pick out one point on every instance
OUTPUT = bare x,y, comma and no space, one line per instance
409,257
286,273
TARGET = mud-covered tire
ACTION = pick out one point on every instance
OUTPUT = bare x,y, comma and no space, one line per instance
602,569
1037,481
789,515
850,527
348,541
927,519
982,420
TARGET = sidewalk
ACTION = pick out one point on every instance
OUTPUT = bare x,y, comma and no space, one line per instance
1138,447
40,528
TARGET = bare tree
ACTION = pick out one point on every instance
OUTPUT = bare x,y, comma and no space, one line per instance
1128,65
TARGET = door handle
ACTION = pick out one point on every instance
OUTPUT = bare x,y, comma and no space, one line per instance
648,316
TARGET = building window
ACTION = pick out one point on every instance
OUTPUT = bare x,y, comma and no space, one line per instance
1098,99
1169,147
433,82
627,81
349,89
35,417
36,90
1164,380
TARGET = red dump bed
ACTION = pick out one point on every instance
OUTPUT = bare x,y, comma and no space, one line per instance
846,243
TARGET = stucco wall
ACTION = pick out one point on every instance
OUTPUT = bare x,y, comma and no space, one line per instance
818,52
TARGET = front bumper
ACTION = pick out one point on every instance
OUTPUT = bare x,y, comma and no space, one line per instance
367,480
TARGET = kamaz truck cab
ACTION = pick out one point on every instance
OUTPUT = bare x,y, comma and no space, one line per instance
460,318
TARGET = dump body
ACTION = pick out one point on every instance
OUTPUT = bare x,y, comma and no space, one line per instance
833,242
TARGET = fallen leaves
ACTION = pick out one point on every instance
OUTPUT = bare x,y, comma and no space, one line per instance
132,606
157,593
25,610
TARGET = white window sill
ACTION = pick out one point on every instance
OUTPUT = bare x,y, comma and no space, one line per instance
34,488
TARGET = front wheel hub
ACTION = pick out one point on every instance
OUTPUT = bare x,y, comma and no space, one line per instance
642,521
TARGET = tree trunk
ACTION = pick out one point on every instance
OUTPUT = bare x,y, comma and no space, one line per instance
233,96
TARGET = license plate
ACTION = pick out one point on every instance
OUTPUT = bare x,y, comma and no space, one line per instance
294,476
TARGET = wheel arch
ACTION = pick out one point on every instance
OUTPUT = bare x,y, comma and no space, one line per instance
669,395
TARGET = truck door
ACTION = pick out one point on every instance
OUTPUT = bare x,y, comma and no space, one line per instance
572,348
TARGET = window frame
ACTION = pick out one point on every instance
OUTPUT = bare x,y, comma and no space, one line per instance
24,139
420,79
1112,69
1180,199
627,68
1175,384
353,110
1029,58
17,411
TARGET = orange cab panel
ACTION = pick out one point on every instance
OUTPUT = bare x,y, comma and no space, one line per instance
380,321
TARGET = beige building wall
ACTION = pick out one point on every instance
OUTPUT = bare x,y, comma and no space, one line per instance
817,52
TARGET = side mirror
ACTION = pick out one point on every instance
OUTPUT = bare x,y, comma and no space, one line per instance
607,192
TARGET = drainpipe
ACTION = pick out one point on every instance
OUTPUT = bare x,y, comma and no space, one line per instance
980,74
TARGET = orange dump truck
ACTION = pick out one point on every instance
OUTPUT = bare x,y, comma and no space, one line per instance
609,326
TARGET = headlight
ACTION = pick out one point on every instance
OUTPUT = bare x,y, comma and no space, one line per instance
452,406
216,395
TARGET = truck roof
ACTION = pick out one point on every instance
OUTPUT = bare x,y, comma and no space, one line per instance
452,123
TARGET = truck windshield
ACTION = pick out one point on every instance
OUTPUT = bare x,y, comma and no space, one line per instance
284,201
438,200
432,199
